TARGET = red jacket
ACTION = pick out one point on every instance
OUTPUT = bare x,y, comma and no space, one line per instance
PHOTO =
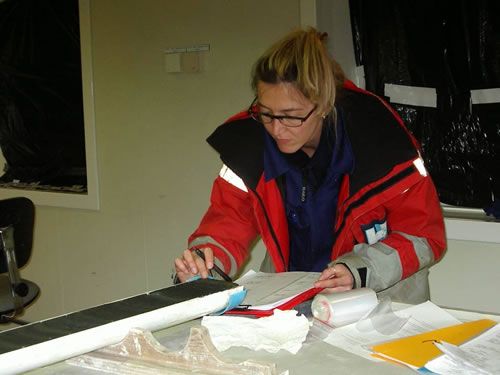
387,189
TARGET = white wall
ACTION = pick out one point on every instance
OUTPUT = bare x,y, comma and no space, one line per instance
468,276
155,168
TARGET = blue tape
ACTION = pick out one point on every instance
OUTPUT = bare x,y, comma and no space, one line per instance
235,299
197,277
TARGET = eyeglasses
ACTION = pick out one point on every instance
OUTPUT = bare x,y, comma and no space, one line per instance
268,118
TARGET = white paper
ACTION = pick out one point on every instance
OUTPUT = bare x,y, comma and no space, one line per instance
269,290
283,330
421,318
480,355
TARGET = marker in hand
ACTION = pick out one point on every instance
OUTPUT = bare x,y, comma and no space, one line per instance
215,268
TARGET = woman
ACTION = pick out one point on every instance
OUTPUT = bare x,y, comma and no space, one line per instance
327,175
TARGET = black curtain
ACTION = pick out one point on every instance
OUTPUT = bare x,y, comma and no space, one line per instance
454,47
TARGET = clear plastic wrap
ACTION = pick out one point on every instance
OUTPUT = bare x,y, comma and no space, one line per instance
140,353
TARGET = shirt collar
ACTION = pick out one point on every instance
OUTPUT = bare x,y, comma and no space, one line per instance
277,163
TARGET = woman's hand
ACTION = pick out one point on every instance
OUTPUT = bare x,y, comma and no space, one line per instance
335,279
190,264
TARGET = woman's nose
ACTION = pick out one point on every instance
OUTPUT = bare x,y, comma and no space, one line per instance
276,127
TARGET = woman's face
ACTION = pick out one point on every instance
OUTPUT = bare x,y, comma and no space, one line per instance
284,99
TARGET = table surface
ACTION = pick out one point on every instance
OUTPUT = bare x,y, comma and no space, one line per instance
315,357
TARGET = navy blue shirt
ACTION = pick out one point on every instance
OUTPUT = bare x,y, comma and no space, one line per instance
311,187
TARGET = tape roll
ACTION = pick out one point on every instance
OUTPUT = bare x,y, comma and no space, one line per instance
338,309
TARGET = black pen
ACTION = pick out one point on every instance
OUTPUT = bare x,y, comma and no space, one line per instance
215,268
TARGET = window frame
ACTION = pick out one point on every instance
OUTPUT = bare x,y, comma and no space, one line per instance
90,200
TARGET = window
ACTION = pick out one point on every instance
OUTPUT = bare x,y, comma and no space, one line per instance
46,104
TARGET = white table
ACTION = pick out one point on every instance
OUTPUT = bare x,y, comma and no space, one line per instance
314,358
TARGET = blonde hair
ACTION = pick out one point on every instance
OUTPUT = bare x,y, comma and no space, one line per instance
301,58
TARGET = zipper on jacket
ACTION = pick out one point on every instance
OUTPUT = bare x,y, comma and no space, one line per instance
303,190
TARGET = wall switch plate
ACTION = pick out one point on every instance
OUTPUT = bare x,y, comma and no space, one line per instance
190,62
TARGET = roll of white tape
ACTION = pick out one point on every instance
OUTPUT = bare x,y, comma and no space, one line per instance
338,309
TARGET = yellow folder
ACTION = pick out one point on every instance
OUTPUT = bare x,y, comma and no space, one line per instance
417,350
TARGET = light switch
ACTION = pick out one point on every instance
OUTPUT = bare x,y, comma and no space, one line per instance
190,62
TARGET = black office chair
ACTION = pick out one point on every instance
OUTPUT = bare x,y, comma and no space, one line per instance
17,216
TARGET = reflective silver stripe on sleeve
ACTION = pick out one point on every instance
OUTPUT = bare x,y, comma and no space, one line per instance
384,265
384,261
231,177
419,164
200,241
422,249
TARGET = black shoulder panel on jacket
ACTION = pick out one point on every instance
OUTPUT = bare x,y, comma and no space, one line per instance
240,144
378,141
